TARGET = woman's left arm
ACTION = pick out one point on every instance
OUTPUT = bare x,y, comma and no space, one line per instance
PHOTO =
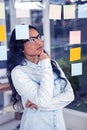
66,96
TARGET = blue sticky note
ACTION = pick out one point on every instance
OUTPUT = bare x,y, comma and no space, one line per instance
76,69
22,32
82,11
3,53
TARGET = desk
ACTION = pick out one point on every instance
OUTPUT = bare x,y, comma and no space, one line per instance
4,87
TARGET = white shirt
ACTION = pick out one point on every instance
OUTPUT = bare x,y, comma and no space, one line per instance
40,85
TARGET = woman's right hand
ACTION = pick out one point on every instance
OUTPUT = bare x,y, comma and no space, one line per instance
43,55
31,105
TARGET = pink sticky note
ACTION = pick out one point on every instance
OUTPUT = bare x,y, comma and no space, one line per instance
75,37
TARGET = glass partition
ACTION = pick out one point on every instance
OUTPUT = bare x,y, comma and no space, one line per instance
60,51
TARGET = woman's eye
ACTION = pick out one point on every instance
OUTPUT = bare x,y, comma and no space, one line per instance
32,40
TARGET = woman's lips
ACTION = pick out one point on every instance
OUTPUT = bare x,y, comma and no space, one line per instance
40,48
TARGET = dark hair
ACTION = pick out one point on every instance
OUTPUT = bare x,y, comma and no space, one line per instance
17,57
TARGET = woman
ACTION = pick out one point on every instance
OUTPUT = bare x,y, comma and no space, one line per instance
40,82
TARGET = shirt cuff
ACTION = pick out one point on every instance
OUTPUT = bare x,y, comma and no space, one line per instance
45,63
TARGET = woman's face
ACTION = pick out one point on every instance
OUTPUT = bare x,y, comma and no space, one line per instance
33,46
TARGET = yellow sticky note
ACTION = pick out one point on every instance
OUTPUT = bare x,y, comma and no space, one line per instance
75,37
69,11
55,11
75,54
2,10
2,33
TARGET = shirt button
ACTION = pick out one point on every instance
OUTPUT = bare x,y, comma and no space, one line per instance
54,125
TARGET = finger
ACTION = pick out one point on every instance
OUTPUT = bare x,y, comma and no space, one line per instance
44,56
34,106
27,104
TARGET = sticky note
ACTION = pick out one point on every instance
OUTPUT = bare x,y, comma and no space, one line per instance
2,10
75,54
22,32
55,11
82,11
3,53
2,33
21,13
75,37
69,11
76,69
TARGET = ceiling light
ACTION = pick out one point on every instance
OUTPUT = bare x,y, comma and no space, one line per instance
28,5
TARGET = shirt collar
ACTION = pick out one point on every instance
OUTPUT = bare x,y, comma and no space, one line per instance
31,64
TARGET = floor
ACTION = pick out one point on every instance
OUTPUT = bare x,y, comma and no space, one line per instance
8,120
12,125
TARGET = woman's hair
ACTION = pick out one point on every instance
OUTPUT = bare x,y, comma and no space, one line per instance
17,57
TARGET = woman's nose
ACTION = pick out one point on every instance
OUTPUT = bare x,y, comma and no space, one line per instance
39,41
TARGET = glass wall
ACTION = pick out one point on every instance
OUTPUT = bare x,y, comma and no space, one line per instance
61,51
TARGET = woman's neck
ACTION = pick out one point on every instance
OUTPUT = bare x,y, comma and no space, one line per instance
33,59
